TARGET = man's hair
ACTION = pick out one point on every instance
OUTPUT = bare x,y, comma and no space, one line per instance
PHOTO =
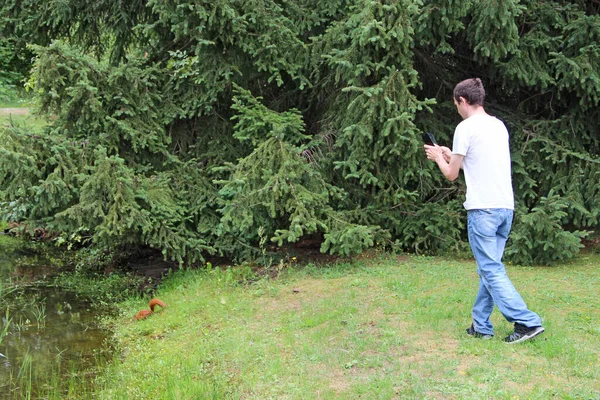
471,90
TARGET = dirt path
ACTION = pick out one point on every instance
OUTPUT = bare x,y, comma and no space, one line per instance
21,111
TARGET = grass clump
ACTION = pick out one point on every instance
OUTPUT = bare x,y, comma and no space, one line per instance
386,328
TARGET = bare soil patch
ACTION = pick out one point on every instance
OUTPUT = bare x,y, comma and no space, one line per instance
19,111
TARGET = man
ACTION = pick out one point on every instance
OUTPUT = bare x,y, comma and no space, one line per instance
480,147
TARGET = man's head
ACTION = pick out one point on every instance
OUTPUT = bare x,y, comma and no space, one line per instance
471,90
469,96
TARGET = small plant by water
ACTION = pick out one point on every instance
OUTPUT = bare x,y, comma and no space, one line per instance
6,321
39,313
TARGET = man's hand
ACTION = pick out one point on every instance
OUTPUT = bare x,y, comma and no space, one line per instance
448,163
447,153
435,152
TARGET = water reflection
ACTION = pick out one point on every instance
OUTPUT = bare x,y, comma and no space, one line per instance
45,333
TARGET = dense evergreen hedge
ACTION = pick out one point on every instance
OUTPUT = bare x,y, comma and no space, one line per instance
227,126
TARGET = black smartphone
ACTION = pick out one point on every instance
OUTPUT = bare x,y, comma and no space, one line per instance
429,139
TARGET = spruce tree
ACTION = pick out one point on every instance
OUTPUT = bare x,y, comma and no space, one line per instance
227,126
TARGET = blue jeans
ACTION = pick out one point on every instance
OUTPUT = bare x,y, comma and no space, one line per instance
488,231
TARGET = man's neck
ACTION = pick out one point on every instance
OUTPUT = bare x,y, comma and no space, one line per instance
475,110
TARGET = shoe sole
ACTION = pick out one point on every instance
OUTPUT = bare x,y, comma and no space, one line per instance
529,336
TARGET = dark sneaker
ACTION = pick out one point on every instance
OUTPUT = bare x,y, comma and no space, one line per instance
471,331
523,333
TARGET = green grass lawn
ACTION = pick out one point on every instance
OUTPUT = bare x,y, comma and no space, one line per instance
383,327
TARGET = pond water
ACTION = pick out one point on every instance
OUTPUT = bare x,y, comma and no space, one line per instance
50,339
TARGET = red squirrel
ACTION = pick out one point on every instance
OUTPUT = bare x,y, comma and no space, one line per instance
144,313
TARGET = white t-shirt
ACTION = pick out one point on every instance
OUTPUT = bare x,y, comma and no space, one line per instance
483,141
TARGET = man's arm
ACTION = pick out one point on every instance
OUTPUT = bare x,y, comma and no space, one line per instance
448,163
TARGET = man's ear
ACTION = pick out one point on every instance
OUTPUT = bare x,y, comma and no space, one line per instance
461,99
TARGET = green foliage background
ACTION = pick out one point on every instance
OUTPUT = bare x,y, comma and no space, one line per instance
199,127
